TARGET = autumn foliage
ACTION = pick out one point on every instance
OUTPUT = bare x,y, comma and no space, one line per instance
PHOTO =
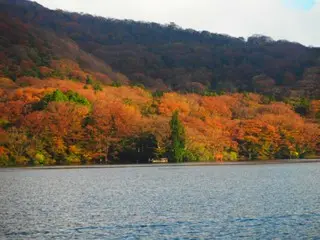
57,121
78,89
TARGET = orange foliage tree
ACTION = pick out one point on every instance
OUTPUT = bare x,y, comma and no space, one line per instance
108,123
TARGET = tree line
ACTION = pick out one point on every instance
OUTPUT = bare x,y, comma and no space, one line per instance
54,122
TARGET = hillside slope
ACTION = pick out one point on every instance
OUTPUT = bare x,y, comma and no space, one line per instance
77,89
164,57
32,51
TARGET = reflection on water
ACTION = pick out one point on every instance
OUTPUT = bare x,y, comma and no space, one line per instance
250,202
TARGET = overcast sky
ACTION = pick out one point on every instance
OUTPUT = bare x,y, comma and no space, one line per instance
294,20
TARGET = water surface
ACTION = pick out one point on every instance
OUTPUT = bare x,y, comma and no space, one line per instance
203,202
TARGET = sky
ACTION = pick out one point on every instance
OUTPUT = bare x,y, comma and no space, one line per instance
293,20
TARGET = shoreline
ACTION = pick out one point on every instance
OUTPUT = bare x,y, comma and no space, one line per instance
189,164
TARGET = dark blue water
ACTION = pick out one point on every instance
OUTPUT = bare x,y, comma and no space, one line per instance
212,202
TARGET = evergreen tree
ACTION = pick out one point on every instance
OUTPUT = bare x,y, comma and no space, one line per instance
177,149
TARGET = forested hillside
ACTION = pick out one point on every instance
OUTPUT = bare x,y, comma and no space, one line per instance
163,57
65,122
79,89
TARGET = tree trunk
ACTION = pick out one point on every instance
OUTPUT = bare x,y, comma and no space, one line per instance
106,154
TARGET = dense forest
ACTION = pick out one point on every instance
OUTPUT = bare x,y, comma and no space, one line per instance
55,121
80,89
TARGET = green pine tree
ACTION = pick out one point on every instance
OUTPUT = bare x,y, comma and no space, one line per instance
177,148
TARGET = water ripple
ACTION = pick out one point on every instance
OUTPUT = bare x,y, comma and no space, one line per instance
236,202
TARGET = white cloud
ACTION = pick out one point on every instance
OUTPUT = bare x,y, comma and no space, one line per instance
234,17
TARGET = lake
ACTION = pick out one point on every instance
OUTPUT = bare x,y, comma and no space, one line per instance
171,202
